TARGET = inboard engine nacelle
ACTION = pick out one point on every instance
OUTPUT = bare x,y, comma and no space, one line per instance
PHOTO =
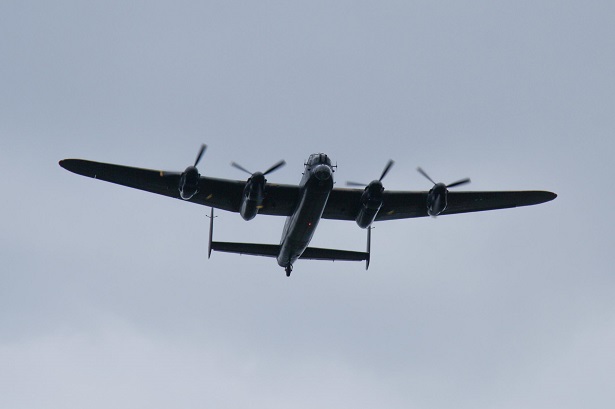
253,196
437,199
371,202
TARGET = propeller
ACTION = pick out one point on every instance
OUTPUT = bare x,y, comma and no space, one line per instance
200,154
457,183
189,180
386,170
271,169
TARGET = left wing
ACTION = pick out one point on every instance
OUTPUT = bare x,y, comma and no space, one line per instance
218,193
344,204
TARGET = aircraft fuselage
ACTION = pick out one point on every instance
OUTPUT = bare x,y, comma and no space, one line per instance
315,187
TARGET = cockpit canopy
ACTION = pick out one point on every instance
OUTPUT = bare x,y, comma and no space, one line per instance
317,159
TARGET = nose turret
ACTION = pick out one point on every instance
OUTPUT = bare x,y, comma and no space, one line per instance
322,172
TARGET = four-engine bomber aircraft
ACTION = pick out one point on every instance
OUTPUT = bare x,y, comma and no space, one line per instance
303,205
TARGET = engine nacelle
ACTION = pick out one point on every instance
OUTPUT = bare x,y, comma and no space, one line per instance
437,199
366,217
189,183
253,196
371,202
248,209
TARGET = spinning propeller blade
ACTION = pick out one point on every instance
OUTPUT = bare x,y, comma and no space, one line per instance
270,170
275,167
458,183
200,155
356,184
422,172
386,170
238,166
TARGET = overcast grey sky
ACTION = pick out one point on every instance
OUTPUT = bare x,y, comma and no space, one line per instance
107,298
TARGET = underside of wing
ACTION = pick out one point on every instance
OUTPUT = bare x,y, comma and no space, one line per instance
343,204
155,181
218,193
402,205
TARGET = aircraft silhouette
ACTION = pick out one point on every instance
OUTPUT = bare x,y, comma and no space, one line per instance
304,205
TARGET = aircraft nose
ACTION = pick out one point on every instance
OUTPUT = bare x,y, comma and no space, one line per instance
322,172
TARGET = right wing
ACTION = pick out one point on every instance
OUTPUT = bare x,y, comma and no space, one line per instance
345,204
402,205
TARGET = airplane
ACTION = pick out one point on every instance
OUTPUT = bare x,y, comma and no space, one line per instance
304,205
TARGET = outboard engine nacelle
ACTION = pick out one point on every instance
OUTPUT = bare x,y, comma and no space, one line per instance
189,180
437,199
371,202
189,183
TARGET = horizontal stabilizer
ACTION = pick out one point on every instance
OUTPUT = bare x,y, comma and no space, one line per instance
313,253
252,249
272,250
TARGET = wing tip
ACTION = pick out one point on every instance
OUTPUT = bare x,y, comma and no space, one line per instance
535,197
73,165
549,196
67,164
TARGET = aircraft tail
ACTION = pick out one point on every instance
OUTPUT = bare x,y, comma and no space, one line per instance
314,253
272,250
251,249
